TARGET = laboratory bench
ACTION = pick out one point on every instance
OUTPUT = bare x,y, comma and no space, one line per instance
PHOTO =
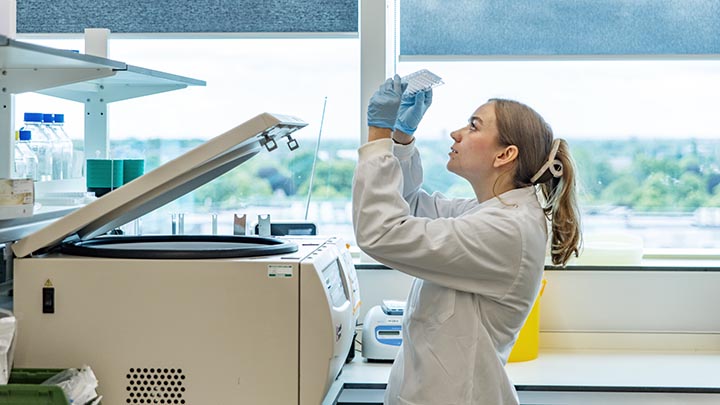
572,377
12,229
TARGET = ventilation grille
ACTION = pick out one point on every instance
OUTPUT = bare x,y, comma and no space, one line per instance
155,386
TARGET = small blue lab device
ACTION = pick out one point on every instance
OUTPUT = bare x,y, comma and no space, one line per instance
382,331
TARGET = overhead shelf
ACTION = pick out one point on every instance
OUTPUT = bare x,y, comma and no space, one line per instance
132,82
113,79
91,80
22,55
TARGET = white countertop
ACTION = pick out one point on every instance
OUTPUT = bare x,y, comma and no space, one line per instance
596,370
612,368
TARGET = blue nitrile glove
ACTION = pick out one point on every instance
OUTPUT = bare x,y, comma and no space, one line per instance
412,108
384,104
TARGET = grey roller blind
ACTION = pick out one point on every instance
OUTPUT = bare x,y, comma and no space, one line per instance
559,27
167,16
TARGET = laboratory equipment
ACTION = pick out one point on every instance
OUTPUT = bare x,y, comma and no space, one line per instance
103,175
239,224
58,147
194,319
421,80
40,143
26,161
382,331
263,225
132,169
68,149
290,228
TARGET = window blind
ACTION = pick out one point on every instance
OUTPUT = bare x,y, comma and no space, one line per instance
200,16
559,27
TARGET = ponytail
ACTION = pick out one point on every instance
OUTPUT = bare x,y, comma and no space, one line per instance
546,163
561,207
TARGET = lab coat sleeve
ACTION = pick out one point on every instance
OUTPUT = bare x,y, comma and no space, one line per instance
478,253
421,203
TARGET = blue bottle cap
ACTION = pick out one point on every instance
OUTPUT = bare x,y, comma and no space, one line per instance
59,118
25,135
47,118
33,117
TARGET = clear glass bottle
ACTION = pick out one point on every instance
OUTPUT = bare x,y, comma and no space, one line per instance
19,168
29,166
41,144
58,155
67,145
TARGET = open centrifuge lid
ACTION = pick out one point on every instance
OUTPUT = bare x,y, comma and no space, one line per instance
166,183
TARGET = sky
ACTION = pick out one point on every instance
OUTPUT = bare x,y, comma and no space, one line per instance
245,77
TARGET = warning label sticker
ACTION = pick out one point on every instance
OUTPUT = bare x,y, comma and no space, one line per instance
280,270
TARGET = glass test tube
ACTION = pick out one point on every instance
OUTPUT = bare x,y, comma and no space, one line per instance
181,224
174,224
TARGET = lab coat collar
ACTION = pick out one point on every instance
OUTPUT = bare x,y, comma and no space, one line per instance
514,197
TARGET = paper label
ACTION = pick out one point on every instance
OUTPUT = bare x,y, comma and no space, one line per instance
22,186
16,192
280,270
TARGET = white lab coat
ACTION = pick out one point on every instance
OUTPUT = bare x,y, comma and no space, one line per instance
478,269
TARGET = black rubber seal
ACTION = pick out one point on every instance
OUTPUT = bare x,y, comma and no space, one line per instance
178,247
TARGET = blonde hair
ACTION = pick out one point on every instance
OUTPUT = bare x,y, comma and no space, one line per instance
523,127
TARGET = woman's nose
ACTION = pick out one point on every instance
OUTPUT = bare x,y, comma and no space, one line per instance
455,135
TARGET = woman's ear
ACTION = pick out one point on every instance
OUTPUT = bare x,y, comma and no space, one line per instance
506,156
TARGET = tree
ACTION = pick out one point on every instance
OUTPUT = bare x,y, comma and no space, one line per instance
231,190
654,193
333,179
690,191
621,191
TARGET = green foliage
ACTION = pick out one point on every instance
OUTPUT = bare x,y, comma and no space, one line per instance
621,192
690,194
714,200
642,175
232,190
597,175
654,194
333,180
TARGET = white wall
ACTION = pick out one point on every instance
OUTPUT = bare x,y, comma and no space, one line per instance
651,310
381,284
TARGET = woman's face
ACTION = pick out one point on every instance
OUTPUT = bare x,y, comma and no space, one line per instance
476,145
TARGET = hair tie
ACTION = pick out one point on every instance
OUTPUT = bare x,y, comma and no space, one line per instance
553,165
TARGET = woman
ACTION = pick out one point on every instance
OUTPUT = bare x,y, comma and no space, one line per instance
478,262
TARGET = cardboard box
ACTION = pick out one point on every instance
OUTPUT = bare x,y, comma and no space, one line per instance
7,344
17,198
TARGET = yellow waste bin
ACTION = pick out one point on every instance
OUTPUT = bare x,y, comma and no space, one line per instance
528,342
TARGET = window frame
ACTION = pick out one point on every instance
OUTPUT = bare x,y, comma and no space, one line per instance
384,60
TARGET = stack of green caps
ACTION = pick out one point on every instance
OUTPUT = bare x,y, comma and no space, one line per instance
132,169
104,175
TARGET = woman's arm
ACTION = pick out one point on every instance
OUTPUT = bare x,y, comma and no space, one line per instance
375,133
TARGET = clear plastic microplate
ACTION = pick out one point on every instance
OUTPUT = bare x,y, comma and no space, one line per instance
421,80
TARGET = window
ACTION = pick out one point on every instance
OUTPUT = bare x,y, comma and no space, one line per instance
245,77
644,135
638,109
